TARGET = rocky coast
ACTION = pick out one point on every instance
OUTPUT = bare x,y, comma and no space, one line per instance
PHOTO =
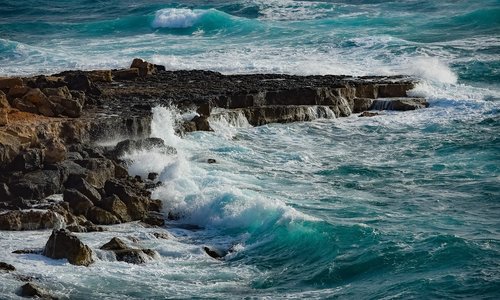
55,173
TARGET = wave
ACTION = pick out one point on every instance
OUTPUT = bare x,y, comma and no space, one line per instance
177,17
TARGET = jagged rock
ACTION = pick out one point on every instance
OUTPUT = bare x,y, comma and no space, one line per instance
120,171
59,92
8,83
5,194
24,105
127,146
126,74
63,244
18,91
81,185
37,184
127,254
31,290
100,75
72,108
54,151
214,253
28,160
102,217
81,82
36,97
114,205
99,170
362,104
6,267
78,202
137,205
152,176
29,220
145,68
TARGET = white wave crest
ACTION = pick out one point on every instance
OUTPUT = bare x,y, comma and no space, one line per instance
177,18
431,69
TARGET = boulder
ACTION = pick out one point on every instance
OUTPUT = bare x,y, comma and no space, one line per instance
127,254
145,68
54,151
8,83
81,185
214,253
101,217
211,161
127,146
31,290
59,92
6,267
72,108
114,205
202,123
18,91
28,160
99,170
24,105
81,82
126,74
29,220
10,147
137,205
36,97
152,176
37,184
4,104
100,75
78,202
63,244
154,219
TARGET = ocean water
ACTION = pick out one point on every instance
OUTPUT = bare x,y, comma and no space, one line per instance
398,206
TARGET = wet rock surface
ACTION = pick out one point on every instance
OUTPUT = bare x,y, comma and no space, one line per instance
127,254
63,244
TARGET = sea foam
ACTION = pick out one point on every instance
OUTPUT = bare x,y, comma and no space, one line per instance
177,18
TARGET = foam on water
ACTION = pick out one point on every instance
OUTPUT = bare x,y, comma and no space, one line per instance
177,18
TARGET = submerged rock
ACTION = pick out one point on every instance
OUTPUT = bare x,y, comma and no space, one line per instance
127,254
63,244
6,267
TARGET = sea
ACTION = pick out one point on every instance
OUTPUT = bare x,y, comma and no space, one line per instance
403,205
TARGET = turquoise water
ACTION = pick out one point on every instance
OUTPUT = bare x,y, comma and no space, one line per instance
402,205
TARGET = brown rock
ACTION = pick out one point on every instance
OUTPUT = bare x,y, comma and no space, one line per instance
367,91
120,172
394,90
100,75
99,170
10,147
127,254
4,104
114,205
36,97
62,92
54,151
18,91
78,202
24,105
7,83
145,68
126,74
101,217
362,104
29,220
399,104
4,117
31,290
63,244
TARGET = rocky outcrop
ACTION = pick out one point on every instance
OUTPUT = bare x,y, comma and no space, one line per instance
30,220
63,244
125,253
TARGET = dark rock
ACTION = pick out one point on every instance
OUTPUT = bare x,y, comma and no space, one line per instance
368,114
211,161
160,68
78,202
82,186
394,90
6,267
101,217
18,91
399,104
8,83
73,156
154,219
120,171
37,184
137,205
201,123
81,82
31,290
362,104
138,178
28,160
5,195
114,205
100,75
29,220
24,105
99,170
28,251
152,176
63,244
127,254
161,235
145,68
214,253
125,74
155,205
128,146
54,151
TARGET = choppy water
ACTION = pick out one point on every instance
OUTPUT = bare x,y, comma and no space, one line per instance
403,205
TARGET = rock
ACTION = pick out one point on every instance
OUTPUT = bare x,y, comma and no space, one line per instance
394,90
31,290
154,219
59,93
120,172
6,267
24,105
202,123
160,68
18,91
362,104
114,205
4,117
37,184
399,104
35,97
145,68
127,146
72,108
152,176
211,161
28,251
82,186
214,253
5,194
54,151
102,217
81,82
126,74
368,114
99,170
63,244
367,91
204,109
100,75
28,160
137,205
4,104
161,235
8,83
127,254
30,220
10,147
78,202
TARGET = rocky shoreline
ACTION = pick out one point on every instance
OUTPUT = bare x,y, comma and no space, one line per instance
54,175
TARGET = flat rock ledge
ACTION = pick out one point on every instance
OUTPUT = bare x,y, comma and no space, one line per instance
50,126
